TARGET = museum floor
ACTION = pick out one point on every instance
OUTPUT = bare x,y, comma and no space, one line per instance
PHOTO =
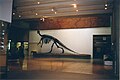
59,69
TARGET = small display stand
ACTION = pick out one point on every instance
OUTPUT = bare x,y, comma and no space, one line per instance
108,61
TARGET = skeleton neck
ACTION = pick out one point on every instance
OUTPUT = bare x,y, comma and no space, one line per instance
39,33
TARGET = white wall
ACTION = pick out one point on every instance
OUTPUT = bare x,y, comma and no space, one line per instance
79,40
6,10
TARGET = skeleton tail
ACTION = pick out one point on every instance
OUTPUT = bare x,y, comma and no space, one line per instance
60,43
38,32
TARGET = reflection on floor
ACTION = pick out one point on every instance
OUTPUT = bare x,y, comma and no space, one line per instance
67,66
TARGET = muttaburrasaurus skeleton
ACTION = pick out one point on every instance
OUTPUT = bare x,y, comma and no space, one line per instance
47,38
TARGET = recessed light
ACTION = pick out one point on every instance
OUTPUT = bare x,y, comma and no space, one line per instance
2,43
2,47
74,5
52,9
3,38
3,30
3,24
41,19
13,13
55,12
106,8
3,34
38,2
76,10
106,5
19,16
36,14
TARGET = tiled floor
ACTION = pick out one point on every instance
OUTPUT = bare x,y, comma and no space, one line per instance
61,65
58,66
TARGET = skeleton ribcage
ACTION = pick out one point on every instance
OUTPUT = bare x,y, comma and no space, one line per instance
46,40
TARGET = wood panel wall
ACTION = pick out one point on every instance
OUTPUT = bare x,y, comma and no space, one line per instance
3,42
72,22
3,37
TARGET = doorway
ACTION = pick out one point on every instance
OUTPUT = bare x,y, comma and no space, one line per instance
102,47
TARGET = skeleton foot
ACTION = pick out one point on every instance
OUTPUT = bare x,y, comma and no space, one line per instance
62,50
49,51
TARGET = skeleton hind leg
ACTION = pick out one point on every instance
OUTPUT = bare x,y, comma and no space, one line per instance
60,47
51,48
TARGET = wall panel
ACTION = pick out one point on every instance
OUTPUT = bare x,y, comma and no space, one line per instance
71,22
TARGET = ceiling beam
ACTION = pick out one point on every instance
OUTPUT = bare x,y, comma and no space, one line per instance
67,14
64,4
30,8
63,10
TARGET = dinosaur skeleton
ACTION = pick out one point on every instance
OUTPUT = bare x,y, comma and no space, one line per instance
47,38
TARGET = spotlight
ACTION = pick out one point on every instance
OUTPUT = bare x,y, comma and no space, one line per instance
19,16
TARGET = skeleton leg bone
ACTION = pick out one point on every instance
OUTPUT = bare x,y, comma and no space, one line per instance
51,48
41,43
60,47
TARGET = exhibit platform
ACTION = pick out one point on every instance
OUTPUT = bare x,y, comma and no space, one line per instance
61,55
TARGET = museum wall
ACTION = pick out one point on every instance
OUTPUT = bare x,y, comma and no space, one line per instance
6,10
71,22
3,46
79,40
